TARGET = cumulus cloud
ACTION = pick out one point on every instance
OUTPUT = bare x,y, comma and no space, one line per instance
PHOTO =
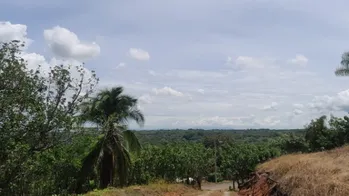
66,44
9,32
272,106
167,91
297,112
139,54
145,99
248,62
299,60
72,64
34,61
339,102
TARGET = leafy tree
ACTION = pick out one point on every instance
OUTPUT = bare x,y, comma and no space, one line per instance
343,70
240,160
340,126
198,161
36,114
319,136
171,161
292,143
110,157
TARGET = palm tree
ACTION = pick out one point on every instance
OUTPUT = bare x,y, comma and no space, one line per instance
344,69
109,160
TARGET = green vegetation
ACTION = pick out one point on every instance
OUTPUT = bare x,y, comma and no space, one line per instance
109,159
158,137
45,150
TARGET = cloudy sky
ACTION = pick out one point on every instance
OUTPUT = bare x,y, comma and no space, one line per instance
198,63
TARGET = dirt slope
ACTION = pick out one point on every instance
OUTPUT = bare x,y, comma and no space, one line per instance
316,174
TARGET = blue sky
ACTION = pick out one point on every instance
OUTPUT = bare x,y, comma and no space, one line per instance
208,64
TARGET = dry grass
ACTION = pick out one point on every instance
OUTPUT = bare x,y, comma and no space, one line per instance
157,189
315,174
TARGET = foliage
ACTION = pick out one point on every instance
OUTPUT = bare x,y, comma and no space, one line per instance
172,161
160,137
343,70
240,160
36,114
291,143
109,161
44,150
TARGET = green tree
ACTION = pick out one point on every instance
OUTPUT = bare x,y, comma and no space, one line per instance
292,143
36,114
343,70
198,160
110,158
319,136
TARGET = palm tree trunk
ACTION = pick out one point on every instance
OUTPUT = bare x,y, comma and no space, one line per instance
106,174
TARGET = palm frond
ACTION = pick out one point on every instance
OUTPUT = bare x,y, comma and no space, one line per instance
122,162
89,163
111,102
131,141
342,71
137,115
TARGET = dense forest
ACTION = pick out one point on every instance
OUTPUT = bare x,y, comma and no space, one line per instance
157,137
45,148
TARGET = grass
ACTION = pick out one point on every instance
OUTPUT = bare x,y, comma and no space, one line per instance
316,174
156,189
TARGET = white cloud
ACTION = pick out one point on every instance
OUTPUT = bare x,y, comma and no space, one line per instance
153,73
272,106
167,91
299,60
268,121
34,60
201,91
145,99
195,74
298,105
339,102
229,61
66,44
120,65
297,112
248,62
72,64
139,54
9,32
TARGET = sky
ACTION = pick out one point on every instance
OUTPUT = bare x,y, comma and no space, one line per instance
198,63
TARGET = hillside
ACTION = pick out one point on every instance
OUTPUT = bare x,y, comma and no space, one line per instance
315,174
